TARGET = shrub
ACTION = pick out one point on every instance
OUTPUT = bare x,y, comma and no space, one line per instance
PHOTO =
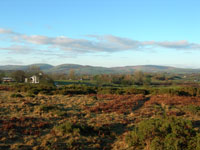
168,133
193,109
46,92
70,128
16,95
136,91
30,95
66,127
106,90
178,91
76,89
33,91
47,108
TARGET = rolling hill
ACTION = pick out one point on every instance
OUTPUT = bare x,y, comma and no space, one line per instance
43,67
85,69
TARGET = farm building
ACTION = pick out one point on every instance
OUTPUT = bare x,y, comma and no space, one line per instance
33,79
7,79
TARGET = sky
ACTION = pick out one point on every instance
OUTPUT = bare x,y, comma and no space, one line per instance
105,33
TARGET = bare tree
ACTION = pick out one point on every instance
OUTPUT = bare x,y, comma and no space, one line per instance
19,75
72,74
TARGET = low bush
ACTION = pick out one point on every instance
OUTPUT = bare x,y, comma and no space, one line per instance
110,90
166,133
34,88
76,89
16,95
136,91
193,109
66,128
177,91
33,91
30,95
47,108
70,128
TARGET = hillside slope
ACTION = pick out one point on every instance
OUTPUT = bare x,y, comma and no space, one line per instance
85,69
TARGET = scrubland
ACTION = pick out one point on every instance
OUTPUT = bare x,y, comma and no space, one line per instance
98,121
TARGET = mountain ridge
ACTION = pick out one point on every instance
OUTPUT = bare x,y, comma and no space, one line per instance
87,69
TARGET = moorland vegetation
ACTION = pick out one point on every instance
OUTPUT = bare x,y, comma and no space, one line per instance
150,111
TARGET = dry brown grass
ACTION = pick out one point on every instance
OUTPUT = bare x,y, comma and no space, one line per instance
30,123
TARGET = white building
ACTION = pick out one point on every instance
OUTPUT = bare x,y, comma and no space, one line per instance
33,79
7,79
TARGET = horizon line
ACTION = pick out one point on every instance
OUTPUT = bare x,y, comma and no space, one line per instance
173,66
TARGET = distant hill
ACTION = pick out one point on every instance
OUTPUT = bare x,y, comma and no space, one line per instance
85,69
156,68
43,67
80,69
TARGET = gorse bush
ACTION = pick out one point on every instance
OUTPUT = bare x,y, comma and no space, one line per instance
30,95
47,108
66,128
136,91
192,109
16,95
110,90
122,90
33,91
71,128
164,134
74,89
178,91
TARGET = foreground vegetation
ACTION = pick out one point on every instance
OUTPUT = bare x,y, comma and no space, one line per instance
95,117
150,111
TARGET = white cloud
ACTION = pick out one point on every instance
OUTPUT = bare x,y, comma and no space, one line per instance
7,31
10,61
19,49
95,43
183,44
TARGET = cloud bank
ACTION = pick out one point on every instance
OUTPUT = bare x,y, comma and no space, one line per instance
90,44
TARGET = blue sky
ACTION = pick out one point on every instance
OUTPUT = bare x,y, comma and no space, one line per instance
100,32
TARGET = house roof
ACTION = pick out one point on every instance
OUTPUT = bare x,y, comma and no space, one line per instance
7,78
33,76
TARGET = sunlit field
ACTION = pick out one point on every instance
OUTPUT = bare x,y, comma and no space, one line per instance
97,121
